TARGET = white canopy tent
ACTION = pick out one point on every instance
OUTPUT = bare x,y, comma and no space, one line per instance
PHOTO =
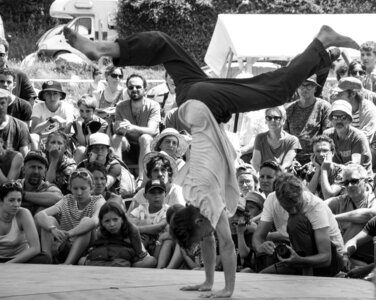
254,36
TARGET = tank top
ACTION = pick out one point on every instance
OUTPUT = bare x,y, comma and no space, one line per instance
103,103
14,242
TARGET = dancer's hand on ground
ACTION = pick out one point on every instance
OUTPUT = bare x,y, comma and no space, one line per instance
217,294
203,287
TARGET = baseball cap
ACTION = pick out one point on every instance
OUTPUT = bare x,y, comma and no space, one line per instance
51,85
343,106
37,155
154,184
256,198
99,139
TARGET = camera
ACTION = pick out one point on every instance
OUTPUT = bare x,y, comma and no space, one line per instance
241,217
282,250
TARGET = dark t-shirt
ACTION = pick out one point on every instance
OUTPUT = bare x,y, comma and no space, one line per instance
15,134
6,161
20,109
370,227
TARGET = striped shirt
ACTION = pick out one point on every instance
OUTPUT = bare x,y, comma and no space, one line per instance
69,215
356,122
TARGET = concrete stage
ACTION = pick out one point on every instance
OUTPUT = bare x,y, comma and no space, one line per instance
21,281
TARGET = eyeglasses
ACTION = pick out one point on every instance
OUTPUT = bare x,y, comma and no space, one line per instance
352,181
2,54
84,174
273,118
116,76
11,185
339,118
360,73
137,87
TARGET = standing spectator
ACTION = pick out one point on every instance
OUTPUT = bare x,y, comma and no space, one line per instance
39,194
275,144
137,122
347,139
13,131
323,177
17,107
51,114
355,208
307,118
24,88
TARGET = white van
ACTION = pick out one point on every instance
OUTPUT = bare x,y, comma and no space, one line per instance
94,19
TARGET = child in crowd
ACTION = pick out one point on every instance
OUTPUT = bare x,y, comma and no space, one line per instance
60,162
118,242
51,113
68,225
151,221
87,124
19,241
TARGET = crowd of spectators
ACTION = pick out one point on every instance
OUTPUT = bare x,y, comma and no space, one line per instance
96,183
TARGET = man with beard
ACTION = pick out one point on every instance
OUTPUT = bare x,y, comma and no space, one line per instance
39,194
348,140
136,123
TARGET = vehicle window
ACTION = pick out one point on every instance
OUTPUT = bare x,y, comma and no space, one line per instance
83,26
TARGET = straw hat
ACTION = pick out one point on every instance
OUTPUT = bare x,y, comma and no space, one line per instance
182,146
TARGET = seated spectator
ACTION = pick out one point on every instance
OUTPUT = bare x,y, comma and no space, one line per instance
316,242
347,139
322,176
350,89
137,122
111,95
14,132
24,89
87,124
159,165
67,227
363,238
39,194
118,242
51,113
60,162
98,84
172,121
11,163
355,208
275,144
99,151
19,240
368,58
17,107
269,170
99,172
358,70
173,143
307,118
151,221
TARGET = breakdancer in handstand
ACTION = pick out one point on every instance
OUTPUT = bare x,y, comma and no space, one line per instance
210,186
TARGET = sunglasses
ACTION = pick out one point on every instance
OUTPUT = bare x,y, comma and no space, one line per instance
340,118
83,174
352,181
116,76
2,54
360,73
273,118
11,185
137,87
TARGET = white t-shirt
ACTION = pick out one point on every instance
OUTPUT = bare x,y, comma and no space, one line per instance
317,212
40,111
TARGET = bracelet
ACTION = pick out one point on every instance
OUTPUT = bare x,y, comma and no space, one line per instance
51,228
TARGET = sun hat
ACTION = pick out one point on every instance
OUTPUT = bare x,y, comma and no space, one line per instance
36,155
154,184
313,79
183,144
343,106
256,198
149,156
51,85
349,83
99,139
